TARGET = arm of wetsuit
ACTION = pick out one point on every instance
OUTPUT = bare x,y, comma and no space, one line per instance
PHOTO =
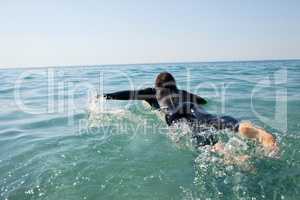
193,98
143,94
147,94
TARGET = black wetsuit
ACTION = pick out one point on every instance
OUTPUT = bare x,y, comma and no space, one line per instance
182,105
200,122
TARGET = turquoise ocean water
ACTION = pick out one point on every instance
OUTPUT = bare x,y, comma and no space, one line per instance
58,142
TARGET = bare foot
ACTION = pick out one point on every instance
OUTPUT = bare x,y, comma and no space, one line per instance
237,160
267,140
229,157
218,148
242,159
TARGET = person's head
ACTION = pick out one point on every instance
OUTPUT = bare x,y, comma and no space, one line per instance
165,86
165,80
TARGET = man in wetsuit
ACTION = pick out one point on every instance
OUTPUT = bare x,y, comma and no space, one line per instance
179,104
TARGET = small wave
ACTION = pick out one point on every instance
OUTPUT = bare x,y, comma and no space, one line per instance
10,134
51,122
7,90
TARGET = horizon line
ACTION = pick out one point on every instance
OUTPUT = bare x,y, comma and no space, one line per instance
150,63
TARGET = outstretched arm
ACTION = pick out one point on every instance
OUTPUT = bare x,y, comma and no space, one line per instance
193,98
147,94
143,94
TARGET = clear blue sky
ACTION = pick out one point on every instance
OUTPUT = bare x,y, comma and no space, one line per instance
47,33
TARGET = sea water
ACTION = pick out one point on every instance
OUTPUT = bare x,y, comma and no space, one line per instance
58,141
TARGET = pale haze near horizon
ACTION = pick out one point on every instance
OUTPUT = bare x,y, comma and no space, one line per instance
58,33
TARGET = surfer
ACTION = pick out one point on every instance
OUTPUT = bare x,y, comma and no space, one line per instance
178,105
